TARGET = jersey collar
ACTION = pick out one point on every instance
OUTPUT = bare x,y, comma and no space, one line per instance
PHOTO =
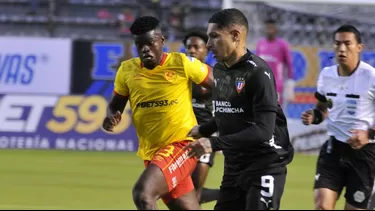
355,69
243,60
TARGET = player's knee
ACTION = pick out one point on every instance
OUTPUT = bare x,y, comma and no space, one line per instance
323,205
141,197
325,199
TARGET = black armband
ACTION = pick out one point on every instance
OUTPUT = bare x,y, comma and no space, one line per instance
320,97
371,135
318,117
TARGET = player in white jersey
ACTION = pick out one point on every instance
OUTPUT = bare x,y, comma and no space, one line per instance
346,99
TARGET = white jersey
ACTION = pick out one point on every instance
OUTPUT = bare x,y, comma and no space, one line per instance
351,99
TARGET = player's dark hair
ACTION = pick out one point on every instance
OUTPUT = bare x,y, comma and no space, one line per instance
144,24
201,35
226,17
270,21
349,28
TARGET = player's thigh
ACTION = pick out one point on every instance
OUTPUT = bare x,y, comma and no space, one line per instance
199,175
176,167
231,198
266,191
182,197
360,182
329,178
151,182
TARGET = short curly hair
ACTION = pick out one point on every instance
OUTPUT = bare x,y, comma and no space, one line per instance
144,24
201,35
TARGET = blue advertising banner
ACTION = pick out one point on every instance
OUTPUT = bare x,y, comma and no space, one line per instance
26,63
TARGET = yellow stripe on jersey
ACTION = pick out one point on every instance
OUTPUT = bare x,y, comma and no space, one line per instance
160,99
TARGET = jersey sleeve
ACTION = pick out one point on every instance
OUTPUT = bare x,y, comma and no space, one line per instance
320,94
120,86
195,70
263,90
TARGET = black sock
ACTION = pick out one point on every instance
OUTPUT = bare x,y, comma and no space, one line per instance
208,195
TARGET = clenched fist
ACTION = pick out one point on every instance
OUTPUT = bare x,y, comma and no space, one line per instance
111,121
307,117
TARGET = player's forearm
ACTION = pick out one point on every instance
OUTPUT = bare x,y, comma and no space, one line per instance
321,108
206,130
261,131
117,103
320,112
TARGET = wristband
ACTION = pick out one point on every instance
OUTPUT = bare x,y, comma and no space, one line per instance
318,117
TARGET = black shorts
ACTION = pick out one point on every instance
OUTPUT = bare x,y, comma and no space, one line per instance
207,159
257,192
340,166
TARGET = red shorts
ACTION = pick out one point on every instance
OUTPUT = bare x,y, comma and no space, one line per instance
177,168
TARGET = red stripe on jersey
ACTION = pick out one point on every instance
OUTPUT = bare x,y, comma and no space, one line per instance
208,73
117,94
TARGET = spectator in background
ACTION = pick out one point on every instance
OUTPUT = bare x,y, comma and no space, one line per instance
104,14
34,4
125,19
175,21
275,51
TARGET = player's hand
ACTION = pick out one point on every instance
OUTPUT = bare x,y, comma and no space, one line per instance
199,147
359,138
307,117
111,121
194,132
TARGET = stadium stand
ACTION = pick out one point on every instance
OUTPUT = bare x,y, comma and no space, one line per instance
99,19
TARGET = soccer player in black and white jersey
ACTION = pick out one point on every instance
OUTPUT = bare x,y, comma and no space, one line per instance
253,132
346,99
195,45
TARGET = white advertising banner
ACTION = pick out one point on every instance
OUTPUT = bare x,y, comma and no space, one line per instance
35,65
307,139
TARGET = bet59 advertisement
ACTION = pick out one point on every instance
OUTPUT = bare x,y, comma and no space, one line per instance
61,122
35,65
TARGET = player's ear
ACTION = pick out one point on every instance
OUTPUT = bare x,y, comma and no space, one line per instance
235,35
359,48
162,40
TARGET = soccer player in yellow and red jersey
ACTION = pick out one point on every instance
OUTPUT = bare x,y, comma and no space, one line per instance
159,88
